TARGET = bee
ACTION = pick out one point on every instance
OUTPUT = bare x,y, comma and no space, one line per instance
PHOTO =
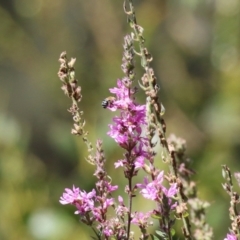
107,102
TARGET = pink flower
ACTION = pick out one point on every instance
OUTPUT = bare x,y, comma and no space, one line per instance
108,202
149,190
121,209
141,219
119,163
108,231
153,189
171,191
139,162
230,237
82,200
69,196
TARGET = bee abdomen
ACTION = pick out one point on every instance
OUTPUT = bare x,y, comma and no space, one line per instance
107,102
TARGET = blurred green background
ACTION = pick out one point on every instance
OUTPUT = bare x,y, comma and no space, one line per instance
195,45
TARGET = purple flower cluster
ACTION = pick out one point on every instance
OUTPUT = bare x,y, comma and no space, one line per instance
127,128
86,202
83,201
154,189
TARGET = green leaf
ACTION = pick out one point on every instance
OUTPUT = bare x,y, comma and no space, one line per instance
156,216
162,234
172,231
185,214
154,237
113,238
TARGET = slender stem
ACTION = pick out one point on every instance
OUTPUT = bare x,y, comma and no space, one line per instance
94,230
130,193
129,206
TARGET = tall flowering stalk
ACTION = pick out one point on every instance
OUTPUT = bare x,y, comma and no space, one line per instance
70,88
234,213
201,229
155,110
92,207
127,132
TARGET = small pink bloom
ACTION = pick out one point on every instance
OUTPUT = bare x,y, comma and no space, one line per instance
69,196
139,162
141,219
230,237
119,163
82,200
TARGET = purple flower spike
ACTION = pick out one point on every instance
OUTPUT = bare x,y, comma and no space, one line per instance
127,127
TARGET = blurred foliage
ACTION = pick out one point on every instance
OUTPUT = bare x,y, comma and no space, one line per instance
195,45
